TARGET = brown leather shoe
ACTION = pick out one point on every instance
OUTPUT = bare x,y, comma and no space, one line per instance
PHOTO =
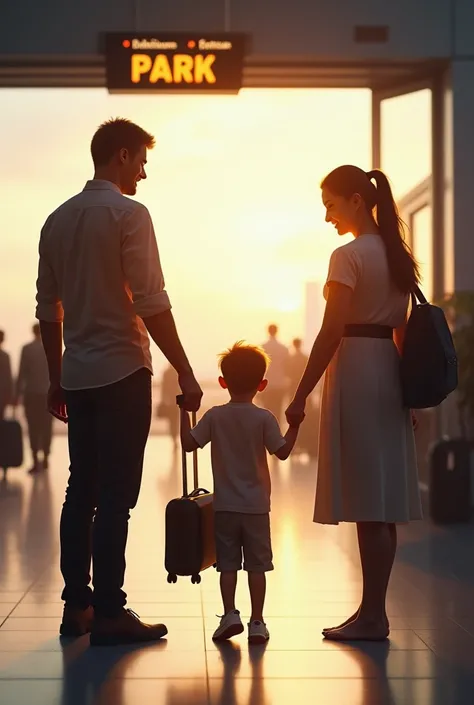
124,629
76,622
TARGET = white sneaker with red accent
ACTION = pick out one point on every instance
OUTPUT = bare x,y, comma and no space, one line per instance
258,632
230,626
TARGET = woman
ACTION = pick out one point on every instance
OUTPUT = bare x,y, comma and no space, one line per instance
367,464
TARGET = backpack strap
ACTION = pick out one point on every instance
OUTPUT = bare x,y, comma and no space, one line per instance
417,294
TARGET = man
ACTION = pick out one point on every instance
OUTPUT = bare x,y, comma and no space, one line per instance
32,387
274,395
100,277
6,380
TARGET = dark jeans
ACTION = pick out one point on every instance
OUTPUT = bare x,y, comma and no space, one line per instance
108,430
40,422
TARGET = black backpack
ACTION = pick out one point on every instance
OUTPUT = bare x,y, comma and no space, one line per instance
429,365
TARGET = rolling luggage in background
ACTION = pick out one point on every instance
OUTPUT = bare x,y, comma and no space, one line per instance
450,482
11,444
189,532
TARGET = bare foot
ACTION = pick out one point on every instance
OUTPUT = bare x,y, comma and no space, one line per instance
348,621
360,630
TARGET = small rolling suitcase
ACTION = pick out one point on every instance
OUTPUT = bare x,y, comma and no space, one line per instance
11,444
450,482
189,530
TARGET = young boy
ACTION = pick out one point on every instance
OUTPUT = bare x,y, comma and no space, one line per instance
240,433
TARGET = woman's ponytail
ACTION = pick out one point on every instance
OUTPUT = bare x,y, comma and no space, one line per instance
403,267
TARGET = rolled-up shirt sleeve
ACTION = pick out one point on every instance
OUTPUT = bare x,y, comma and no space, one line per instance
48,302
141,264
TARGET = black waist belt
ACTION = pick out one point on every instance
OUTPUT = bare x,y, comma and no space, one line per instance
367,330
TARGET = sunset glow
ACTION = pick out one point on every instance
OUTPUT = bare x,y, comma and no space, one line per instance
233,189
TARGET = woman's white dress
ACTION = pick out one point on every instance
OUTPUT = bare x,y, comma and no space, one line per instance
367,468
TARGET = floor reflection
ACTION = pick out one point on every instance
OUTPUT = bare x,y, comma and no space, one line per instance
316,582
11,531
41,540
374,684
229,692
91,674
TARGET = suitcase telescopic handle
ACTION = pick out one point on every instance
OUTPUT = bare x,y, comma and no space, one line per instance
195,458
179,400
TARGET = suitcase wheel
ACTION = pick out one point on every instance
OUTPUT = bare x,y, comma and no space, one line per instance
172,578
196,579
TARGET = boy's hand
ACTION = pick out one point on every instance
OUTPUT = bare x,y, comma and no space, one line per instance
295,413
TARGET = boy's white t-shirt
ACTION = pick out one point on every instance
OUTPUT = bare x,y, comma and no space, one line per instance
240,434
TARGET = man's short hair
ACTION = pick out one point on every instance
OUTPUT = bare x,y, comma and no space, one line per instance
243,367
297,343
272,329
116,134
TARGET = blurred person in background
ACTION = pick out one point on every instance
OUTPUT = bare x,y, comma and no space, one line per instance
296,365
6,379
274,395
167,408
32,389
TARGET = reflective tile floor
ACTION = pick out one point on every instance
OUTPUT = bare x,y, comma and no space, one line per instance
428,661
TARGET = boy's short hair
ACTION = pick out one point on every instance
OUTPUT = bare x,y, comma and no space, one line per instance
243,367
116,134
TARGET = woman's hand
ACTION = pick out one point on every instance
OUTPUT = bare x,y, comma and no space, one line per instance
295,412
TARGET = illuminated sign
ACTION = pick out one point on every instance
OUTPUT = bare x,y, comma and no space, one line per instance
179,62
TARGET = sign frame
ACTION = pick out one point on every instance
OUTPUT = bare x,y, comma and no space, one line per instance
175,62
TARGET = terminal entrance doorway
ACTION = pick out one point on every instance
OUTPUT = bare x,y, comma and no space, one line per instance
233,183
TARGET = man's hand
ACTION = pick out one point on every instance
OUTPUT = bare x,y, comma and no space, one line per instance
57,403
295,412
192,392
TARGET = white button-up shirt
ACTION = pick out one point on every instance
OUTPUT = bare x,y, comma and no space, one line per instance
100,274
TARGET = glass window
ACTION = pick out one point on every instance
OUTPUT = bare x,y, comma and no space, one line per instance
406,140
422,242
